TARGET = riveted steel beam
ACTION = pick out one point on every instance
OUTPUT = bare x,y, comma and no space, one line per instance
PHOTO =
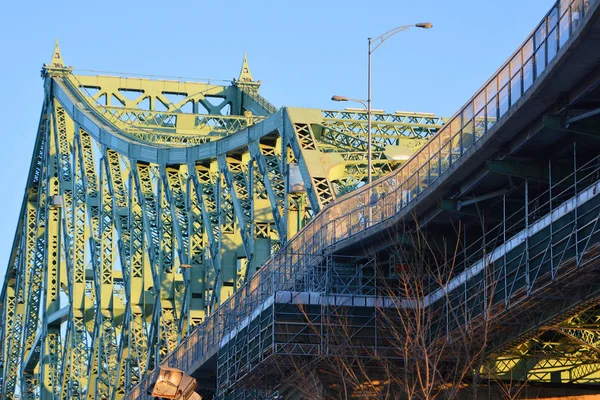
148,202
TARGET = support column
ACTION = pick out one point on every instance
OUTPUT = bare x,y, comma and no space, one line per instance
228,274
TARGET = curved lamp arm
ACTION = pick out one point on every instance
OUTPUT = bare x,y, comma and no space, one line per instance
378,41
344,98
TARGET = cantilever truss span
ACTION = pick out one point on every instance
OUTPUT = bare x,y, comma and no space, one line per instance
516,169
148,202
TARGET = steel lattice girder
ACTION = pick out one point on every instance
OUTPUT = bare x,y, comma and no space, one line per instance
568,352
148,202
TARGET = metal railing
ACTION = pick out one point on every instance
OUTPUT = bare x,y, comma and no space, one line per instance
261,101
528,249
384,198
283,272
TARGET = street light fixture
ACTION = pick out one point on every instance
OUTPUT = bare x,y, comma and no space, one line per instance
343,98
374,45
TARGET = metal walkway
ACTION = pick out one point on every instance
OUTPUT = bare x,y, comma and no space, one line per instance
541,256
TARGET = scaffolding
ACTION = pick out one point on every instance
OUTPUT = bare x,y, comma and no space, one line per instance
530,260
293,322
543,253
514,266
289,278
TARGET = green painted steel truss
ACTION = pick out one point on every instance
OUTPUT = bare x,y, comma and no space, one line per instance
148,202
565,352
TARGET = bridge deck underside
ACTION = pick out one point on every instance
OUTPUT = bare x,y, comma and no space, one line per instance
148,220
550,273
503,175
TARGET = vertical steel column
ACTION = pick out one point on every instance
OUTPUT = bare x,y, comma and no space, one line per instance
576,208
553,272
51,338
369,112
527,278
506,300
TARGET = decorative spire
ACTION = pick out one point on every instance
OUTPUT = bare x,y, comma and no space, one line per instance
57,60
57,65
245,74
246,82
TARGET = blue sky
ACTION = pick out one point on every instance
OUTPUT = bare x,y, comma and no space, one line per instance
303,51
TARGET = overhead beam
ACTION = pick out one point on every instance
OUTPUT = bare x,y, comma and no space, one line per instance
593,113
585,126
538,170
457,204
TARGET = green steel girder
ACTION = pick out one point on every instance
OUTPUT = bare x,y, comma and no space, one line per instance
53,276
174,113
197,276
176,179
335,142
267,167
16,313
384,126
78,339
206,193
164,268
106,325
568,352
132,341
237,194
73,198
147,202
585,126
32,271
533,170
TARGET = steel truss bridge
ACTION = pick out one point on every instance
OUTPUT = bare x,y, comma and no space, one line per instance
148,203
180,224
517,168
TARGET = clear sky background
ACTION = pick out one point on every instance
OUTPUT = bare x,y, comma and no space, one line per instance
303,51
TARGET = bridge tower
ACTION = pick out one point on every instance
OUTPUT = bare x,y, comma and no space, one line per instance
148,202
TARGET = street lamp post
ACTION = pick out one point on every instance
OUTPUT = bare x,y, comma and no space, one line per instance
373,45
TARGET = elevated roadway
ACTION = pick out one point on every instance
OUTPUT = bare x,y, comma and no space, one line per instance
516,163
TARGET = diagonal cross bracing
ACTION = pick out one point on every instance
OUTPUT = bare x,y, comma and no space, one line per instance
148,203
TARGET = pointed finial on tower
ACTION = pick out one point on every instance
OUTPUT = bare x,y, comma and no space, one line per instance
245,74
246,81
57,64
57,60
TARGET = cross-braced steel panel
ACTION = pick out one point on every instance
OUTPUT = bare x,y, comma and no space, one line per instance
149,201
